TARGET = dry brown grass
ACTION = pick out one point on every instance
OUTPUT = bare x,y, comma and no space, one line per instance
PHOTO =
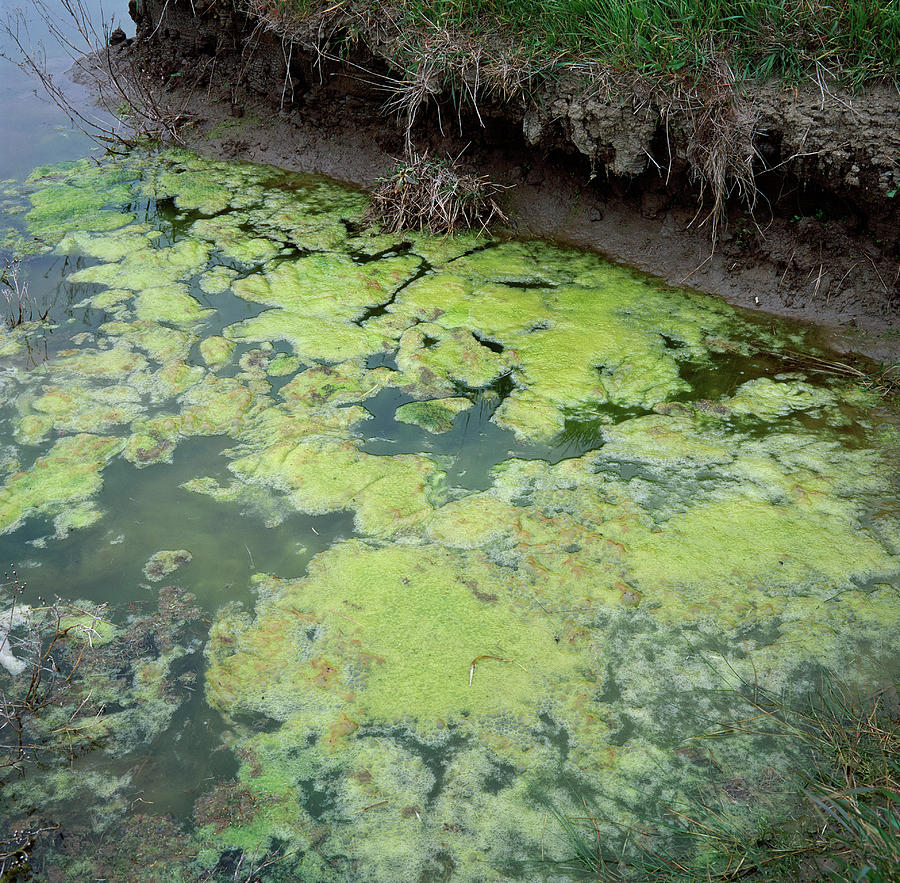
883,379
426,193
21,306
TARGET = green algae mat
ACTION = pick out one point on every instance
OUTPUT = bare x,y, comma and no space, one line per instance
478,536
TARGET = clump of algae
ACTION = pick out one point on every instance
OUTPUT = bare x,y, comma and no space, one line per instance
768,399
78,196
436,415
371,613
390,496
76,408
216,351
205,186
217,279
318,300
77,517
594,335
148,267
68,473
372,644
169,303
232,242
161,564
325,386
159,342
430,353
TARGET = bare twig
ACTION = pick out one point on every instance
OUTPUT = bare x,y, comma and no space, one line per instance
118,82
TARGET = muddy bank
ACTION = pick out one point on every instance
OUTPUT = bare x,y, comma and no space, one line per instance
613,172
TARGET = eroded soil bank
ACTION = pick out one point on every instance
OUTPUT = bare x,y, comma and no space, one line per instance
609,171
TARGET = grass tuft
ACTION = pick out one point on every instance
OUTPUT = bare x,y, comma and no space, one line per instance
21,306
422,192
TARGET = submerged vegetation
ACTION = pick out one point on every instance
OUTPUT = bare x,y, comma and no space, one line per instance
843,821
73,682
490,517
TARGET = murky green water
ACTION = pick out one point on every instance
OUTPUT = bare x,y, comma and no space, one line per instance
470,527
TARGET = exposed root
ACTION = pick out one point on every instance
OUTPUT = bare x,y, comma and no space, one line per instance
425,66
721,149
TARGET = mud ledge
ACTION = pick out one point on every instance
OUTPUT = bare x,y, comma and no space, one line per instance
609,172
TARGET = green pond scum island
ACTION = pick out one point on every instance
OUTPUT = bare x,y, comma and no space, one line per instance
342,555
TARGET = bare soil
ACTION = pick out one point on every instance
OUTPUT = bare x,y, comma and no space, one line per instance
608,173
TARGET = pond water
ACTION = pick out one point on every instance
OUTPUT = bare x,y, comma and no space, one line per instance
478,535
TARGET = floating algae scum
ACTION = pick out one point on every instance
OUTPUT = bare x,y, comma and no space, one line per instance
473,528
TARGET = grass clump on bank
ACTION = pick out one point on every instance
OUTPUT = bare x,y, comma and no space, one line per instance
853,40
422,192
846,821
